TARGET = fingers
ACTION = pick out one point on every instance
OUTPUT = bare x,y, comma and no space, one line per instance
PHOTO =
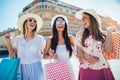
7,36
91,59
51,52
53,55
79,50
110,30
96,58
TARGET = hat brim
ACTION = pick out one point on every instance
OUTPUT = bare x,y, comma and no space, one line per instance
53,19
91,12
29,15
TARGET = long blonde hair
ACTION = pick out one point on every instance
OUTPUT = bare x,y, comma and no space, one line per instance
25,29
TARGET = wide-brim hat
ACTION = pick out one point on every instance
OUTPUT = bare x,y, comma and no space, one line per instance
91,12
22,19
54,18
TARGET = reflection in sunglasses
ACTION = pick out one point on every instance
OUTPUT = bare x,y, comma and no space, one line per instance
60,21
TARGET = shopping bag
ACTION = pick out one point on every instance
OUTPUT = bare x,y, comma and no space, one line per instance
8,69
115,54
59,70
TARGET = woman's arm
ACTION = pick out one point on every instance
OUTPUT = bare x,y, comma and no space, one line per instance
108,45
90,59
49,54
82,56
72,40
46,49
11,50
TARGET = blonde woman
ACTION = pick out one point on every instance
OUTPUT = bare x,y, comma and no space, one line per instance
28,47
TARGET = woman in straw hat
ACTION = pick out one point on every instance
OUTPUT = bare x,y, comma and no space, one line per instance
90,44
28,47
59,46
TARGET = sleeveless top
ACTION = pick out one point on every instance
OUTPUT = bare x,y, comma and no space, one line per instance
62,52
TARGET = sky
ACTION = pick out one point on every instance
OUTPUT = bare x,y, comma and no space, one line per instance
10,9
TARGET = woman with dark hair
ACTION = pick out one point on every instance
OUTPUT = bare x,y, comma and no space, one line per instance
90,44
60,45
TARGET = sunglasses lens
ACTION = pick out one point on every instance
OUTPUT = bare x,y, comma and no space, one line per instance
58,21
63,22
30,20
35,21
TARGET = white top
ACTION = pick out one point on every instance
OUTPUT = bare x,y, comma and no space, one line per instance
63,53
93,48
29,52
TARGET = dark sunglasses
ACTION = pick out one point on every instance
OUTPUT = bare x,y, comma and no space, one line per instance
31,20
60,21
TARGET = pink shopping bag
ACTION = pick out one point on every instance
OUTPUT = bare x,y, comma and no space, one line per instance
59,70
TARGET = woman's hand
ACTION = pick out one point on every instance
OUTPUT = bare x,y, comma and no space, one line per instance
7,36
91,59
110,30
11,50
80,53
108,45
53,55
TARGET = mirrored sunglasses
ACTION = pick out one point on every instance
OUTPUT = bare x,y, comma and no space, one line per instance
60,21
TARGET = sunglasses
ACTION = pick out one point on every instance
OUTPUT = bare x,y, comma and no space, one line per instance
60,21
31,20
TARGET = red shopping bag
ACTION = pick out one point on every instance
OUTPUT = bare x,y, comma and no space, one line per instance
59,70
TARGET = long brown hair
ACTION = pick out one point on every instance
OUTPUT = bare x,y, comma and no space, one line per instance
94,27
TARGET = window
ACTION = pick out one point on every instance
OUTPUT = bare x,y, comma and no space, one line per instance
40,15
30,11
39,6
57,10
46,6
42,6
64,10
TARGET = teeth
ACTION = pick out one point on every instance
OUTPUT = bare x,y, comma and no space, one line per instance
60,27
32,26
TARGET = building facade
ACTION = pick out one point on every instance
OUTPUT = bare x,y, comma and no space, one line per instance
47,9
109,22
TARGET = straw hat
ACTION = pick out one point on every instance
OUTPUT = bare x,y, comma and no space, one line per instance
91,12
29,15
53,19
